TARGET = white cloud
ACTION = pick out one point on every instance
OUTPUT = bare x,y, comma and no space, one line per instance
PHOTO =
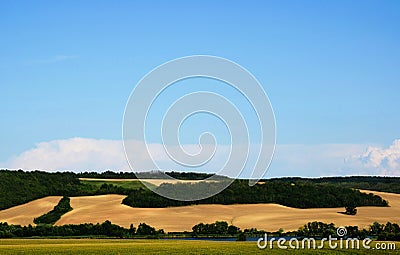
83,154
72,154
378,160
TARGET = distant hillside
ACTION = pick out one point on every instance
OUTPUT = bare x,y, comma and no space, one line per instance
292,194
377,183
18,187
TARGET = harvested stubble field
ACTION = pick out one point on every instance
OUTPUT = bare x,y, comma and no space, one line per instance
25,213
270,217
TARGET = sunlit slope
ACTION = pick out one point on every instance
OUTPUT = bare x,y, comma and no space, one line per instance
25,213
270,217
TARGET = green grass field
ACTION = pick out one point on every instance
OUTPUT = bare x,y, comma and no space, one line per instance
124,184
114,246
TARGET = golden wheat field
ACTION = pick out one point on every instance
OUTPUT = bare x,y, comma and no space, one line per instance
270,217
25,213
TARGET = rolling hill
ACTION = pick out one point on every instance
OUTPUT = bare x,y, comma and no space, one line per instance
270,217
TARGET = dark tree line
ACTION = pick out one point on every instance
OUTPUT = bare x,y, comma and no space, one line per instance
388,232
110,230
377,183
301,195
88,229
193,176
146,175
382,232
54,215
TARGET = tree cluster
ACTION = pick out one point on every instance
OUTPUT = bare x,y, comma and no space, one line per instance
388,232
54,215
314,229
146,230
350,210
216,228
88,229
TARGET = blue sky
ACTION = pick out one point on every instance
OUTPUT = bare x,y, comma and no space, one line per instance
330,68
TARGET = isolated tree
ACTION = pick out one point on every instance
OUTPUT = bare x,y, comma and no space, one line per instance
351,210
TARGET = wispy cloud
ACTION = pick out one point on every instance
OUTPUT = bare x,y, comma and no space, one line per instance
313,160
81,154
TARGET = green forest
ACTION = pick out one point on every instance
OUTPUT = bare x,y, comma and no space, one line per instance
18,187
377,183
298,195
